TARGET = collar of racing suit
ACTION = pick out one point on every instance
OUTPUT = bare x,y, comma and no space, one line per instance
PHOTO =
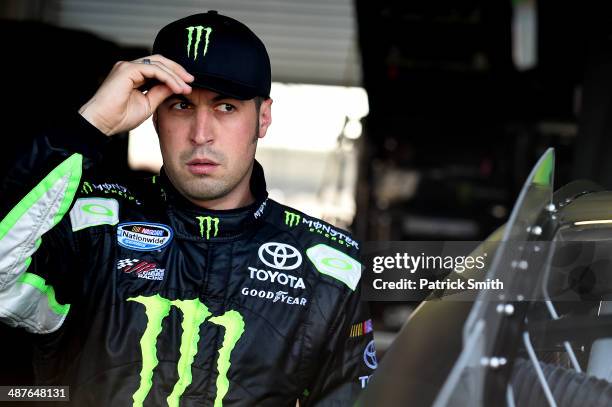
192,222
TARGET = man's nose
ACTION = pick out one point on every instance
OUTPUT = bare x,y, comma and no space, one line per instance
203,127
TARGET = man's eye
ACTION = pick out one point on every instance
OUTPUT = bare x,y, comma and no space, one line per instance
180,106
226,107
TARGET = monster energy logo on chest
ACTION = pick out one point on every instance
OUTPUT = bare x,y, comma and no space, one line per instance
291,219
198,36
208,223
195,313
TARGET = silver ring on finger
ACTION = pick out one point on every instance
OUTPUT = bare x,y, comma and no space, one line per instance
146,61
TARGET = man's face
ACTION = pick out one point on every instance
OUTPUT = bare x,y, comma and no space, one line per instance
208,144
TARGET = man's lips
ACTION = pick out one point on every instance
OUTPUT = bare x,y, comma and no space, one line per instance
201,166
201,161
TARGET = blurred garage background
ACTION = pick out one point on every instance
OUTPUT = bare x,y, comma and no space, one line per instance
396,120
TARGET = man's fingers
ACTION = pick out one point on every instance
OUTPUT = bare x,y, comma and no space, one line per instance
168,64
176,67
155,70
170,69
119,105
157,95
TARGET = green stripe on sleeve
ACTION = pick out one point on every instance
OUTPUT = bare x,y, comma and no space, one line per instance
40,284
71,166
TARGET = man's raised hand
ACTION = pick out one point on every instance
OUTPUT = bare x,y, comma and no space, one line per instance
118,105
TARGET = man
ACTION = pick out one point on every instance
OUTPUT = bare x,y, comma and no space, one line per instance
192,288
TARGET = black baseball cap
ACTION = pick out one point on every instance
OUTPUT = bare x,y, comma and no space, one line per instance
223,54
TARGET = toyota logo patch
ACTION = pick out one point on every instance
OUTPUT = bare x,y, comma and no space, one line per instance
369,356
280,256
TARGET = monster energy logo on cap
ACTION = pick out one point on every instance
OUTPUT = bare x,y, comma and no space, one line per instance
198,29
195,314
291,219
208,222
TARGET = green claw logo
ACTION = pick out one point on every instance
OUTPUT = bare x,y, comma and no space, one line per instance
195,313
86,188
210,222
292,219
198,29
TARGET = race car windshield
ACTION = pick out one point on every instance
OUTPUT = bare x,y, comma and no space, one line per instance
465,384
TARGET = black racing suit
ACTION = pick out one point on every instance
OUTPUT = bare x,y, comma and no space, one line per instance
139,297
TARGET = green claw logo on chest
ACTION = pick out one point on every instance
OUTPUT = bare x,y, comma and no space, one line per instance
208,224
195,313
291,219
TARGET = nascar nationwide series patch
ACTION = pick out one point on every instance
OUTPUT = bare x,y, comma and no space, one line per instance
143,236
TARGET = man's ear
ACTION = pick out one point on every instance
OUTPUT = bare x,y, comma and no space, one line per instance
265,116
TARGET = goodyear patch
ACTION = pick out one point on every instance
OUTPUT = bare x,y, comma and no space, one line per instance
143,236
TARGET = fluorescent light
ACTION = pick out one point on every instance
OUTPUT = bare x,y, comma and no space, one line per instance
593,222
